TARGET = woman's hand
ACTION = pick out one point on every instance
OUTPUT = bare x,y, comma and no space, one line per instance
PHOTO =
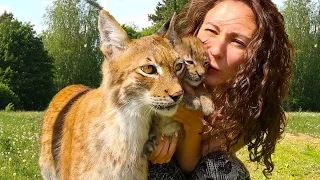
164,150
191,119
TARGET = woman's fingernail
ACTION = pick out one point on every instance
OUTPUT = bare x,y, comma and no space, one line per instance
176,134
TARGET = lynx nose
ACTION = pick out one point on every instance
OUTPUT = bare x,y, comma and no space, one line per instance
176,96
200,74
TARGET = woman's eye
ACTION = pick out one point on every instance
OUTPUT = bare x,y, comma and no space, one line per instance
149,69
212,31
239,42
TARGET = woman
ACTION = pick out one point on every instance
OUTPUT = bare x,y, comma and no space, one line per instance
250,68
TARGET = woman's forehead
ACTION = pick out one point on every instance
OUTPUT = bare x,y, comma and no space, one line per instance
234,14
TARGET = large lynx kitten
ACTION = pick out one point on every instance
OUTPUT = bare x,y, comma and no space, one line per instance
100,133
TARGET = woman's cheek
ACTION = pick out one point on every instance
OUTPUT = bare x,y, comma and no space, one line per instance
235,59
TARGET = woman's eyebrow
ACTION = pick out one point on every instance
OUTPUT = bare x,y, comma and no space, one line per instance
242,36
235,34
213,24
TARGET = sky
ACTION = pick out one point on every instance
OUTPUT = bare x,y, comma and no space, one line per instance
125,11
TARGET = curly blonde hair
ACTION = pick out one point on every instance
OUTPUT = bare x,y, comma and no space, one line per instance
251,103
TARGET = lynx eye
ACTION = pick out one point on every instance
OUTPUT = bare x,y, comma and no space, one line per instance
206,63
178,66
149,69
189,62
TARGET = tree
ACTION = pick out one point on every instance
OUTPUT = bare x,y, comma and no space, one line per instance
7,96
162,13
302,22
72,39
132,31
25,66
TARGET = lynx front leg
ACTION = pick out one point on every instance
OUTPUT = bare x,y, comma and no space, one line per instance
168,126
205,100
161,125
201,100
206,104
151,143
191,102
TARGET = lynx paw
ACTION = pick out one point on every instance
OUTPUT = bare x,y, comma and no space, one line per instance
149,147
207,105
191,102
171,128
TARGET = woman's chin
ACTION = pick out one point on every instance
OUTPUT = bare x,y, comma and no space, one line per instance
213,78
211,81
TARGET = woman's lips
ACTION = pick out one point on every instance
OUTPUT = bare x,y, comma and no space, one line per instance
211,68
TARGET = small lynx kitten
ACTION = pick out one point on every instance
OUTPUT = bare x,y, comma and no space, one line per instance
191,51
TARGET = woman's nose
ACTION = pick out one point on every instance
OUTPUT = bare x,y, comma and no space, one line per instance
217,48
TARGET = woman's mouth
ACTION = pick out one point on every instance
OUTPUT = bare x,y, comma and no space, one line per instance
211,68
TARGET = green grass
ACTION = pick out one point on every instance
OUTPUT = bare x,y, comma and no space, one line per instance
304,122
297,155
19,145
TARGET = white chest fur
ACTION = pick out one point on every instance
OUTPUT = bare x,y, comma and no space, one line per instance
116,146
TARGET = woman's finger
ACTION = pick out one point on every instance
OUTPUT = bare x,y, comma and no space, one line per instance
172,148
154,155
164,151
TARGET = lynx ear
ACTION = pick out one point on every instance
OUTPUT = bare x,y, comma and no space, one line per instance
112,36
167,30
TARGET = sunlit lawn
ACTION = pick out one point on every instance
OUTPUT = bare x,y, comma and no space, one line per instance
297,156
19,145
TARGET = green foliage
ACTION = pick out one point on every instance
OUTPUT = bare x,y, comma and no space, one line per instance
132,31
302,19
165,9
150,30
7,96
162,13
72,39
25,66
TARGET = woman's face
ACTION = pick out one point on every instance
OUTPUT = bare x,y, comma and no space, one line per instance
226,31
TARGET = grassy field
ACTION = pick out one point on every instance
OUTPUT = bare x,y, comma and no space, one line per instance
297,155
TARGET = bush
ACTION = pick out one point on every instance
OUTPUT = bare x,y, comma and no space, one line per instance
7,96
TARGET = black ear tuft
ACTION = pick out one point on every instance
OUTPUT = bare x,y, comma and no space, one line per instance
167,30
164,28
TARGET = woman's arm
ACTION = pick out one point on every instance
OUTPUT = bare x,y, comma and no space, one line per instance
188,151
